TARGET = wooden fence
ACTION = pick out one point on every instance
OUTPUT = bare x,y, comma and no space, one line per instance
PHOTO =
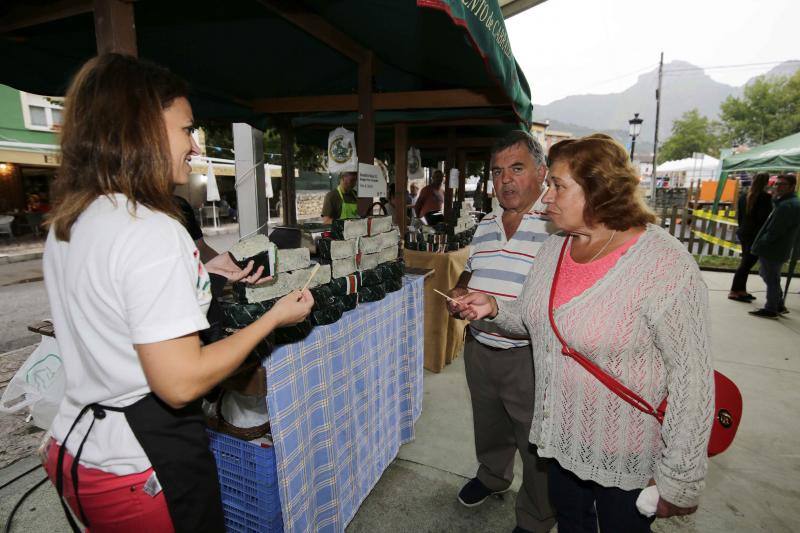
703,233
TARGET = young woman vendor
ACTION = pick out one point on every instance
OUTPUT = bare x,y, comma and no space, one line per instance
128,294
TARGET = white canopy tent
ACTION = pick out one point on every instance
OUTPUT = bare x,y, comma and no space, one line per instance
702,167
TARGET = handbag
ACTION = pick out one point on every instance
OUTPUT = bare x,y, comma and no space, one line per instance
727,397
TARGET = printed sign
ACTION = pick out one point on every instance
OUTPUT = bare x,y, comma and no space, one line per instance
371,182
453,178
342,156
415,170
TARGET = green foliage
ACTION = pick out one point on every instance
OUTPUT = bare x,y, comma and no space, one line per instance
691,133
219,143
768,110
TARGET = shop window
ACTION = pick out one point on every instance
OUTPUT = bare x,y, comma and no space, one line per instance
42,113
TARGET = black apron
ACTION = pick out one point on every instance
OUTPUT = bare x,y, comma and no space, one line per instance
176,443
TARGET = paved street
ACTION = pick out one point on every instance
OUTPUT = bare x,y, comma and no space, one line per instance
21,305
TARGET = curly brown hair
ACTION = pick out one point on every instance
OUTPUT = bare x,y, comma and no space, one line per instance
114,140
602,168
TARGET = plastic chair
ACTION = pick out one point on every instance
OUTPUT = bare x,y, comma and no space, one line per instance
5,225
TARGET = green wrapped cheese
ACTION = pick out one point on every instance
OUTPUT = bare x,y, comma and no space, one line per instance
328,315
347,302
346,285
371,294
294,333
392,285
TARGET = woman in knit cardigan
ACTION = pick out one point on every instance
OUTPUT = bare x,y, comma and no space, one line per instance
632,300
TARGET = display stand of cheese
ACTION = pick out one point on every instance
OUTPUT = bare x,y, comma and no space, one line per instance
453,234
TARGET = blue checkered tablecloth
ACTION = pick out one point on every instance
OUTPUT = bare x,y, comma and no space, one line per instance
341,403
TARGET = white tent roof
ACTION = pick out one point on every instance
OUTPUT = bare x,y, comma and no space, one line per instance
703,165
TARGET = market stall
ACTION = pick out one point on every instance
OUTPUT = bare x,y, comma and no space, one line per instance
436,74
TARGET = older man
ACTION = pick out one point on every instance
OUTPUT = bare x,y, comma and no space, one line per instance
774,242
499,367
341,202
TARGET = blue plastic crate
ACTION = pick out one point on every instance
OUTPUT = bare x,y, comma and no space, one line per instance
248,480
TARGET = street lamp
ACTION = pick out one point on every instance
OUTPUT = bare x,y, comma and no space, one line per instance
635,128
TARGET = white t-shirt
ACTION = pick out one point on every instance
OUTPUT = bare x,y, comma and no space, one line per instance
121,280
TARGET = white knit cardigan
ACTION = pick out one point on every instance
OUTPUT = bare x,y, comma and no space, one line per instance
645,323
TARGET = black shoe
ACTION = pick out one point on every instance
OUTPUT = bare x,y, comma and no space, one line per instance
784,311
740,298
749,296
764,313
521,530
475,493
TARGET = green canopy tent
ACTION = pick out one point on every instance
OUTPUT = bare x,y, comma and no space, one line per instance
782,155
271,62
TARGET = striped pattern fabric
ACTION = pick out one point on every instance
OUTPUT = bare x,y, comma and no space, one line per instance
499,268
341,403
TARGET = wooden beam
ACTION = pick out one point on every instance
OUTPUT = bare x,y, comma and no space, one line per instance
461,164
400,176
365,138
318,27
24,16
466,142
288,193
114,27
441,99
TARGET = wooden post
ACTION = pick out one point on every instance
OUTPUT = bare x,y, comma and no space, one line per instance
449,163
400,175
114,27
366,121
673,220
462,174
288,193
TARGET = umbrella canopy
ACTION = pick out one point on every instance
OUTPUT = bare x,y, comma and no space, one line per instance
783,154
212,191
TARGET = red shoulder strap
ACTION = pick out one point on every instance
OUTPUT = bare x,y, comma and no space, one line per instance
613,385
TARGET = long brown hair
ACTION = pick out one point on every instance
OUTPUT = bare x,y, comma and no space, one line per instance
603,169
113,139
758,186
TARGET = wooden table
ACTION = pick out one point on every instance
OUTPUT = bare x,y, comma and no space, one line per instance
444,335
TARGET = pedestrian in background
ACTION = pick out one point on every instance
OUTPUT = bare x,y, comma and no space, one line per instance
752,212
774,242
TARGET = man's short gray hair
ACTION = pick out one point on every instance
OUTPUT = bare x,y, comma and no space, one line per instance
515,137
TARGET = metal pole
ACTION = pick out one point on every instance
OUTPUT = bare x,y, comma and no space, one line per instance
655,138
633,146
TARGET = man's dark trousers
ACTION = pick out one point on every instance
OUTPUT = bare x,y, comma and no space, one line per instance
501,386
770,272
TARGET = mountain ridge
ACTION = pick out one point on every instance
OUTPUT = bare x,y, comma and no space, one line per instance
684,87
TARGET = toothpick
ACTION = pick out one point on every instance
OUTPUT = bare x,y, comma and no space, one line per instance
446,296
310,278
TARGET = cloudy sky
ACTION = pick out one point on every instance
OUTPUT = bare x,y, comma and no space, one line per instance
568,47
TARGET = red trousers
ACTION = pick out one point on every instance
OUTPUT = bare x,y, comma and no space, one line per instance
110,502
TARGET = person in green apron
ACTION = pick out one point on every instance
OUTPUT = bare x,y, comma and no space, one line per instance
341,202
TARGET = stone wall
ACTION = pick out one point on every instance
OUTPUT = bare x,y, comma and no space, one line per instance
309,203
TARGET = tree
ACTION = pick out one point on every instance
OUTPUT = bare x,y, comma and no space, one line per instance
219,143
768,110
691,133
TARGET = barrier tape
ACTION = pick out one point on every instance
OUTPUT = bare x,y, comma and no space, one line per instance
708,215
719,242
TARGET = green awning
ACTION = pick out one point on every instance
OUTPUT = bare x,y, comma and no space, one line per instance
486,29
783,154
234,52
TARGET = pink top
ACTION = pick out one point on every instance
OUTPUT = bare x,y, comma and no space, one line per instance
575,278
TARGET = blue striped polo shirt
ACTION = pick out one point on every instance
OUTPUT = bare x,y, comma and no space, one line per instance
499,267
